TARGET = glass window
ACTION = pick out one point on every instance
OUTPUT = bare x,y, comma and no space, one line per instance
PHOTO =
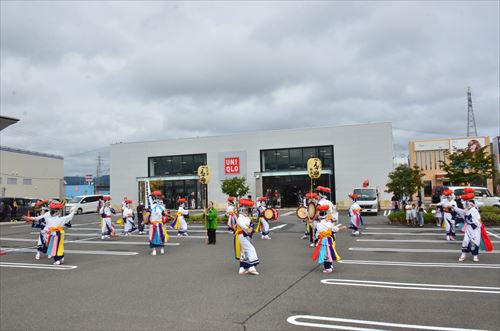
295,158
176,165
27,181
427,188
12,181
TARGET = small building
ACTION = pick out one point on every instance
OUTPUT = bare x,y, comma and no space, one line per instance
273,162
30,174
428,154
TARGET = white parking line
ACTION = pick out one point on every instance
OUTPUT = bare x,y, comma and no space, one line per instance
407,234
86,241
294,320
117,253
494,235
413,286
416,241
422,264
288,213
403,228
37,266
277,227
409,250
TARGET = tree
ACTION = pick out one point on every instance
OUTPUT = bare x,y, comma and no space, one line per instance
235,187
405,181
465,167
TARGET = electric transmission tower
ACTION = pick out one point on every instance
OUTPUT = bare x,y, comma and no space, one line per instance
471,121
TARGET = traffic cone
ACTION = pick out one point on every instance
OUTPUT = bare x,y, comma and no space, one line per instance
28,217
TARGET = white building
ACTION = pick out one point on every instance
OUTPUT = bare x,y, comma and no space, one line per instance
269,160
28,174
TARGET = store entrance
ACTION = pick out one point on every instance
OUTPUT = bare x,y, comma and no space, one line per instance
285,191
190,189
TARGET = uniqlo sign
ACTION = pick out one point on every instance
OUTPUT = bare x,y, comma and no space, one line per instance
232,165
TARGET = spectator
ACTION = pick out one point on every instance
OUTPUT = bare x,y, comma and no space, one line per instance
420,212
408,215
140,217
212,218
413,215
13,211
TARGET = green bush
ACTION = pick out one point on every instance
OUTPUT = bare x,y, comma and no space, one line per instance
200,218
489,216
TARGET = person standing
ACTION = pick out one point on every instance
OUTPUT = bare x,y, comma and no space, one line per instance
244,250
420,214
212,217
128,218
13,211
140,217
107,228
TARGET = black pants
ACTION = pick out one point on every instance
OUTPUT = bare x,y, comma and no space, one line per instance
140,223
211,236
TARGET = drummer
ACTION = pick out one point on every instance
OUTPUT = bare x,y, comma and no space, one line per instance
262,223
331,214
310,223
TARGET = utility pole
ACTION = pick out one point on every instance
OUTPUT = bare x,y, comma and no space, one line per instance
98,172
471,121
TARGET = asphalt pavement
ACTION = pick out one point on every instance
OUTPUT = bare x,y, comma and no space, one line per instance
390,278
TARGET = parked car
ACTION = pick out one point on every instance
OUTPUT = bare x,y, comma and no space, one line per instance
482,195
23,206
84,203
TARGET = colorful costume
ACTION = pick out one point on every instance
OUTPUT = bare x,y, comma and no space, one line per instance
40,222
475,235
231,215
128,219
355,216
179,222
106,212
262,223
244,250
157,233
449,215
55,232
325,251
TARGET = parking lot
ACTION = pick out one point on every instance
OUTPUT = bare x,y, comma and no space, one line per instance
390,278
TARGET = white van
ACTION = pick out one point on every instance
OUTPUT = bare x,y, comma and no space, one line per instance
84,203
482,195
368,199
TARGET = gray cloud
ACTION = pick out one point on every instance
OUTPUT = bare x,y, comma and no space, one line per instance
83,75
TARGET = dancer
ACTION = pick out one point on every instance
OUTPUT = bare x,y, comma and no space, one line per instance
331,214
262,222
449,214
244,250
475,235
355,215
55,232
326,252
40,222
107,228
179,222
128,218
158,235
231,214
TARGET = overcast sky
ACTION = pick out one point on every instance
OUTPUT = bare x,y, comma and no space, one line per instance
83,75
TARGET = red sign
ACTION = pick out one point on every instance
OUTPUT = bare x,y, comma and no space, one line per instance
232,165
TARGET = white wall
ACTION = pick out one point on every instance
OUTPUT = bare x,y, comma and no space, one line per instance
360,152
46,173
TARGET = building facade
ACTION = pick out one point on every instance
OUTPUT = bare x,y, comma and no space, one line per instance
273,163
29,174
428,154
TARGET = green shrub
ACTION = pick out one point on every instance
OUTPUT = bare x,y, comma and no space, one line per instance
490,218
489,215
489,209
